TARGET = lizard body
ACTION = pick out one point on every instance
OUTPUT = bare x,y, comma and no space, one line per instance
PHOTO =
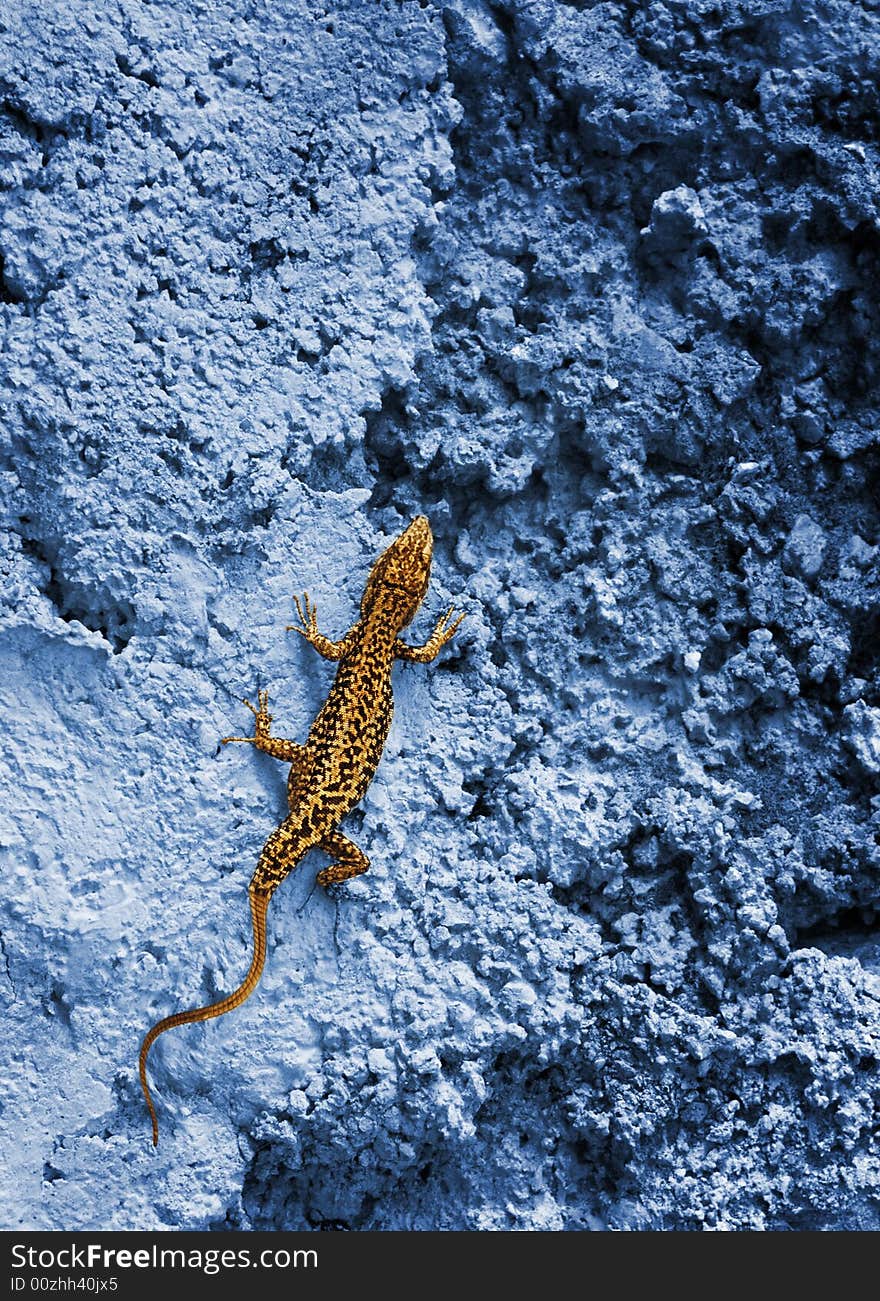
330,773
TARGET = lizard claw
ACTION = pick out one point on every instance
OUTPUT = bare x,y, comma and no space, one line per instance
445,629
448,615
262,715
308,618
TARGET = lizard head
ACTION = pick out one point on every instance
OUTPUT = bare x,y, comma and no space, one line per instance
399,578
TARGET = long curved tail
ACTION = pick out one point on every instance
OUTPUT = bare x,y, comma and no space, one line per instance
259,901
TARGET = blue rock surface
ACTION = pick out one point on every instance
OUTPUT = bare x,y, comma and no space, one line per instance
593,286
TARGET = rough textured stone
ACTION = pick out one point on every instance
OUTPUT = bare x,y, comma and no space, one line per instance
804,549
594,287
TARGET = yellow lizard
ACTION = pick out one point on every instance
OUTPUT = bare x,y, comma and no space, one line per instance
331,772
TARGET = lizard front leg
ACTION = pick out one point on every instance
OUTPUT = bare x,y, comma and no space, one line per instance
308,628
438,639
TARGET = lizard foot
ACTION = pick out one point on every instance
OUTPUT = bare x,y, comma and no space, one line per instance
262,724
442,633
308,618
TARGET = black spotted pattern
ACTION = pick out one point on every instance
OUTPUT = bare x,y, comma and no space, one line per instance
345,744
331,772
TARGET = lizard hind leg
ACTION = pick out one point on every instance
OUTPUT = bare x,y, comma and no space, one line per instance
350,861
287,751
259,901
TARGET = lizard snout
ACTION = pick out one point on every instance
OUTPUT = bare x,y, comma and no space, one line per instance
418,536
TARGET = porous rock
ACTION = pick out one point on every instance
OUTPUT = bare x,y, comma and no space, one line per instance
275,279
